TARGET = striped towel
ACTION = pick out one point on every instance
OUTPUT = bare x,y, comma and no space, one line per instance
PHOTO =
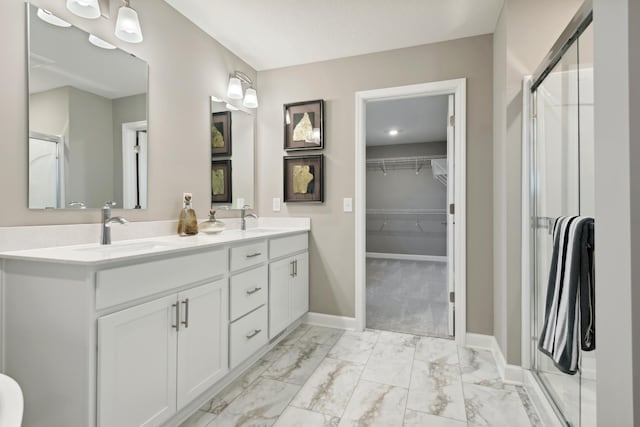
569,322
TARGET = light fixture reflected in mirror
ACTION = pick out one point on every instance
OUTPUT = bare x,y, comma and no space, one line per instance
50,18
97,41
89,9
234,89
128,25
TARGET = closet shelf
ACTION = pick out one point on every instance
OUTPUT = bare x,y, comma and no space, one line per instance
416,163
406,211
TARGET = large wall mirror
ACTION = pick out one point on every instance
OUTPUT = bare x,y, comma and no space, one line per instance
87,120
232,146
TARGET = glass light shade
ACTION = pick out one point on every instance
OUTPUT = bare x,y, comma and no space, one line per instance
50,18
250,98
97,41
89,9
128,25
234,90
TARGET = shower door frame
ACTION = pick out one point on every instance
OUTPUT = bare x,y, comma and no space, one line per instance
581,20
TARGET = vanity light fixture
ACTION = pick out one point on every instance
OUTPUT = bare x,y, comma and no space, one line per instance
89,9
231,107
128,25
393,132
97,41
234,89
50,18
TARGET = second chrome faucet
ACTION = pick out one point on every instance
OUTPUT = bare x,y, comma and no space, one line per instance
107,220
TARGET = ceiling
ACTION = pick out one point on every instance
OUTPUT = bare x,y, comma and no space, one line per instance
64,57
421,119
279,33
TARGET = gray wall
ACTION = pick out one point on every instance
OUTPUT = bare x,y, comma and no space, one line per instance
332,238
524,34
617,132
404,189
125,110
186,66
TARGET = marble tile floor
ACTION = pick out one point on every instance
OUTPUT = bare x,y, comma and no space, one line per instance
332,378
408,296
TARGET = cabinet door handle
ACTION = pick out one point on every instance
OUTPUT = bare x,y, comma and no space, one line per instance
177,325
253,291
291,271
253,333
295,268
253,255
186,312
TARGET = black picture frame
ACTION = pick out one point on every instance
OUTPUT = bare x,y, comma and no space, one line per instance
313,191
224,167
294,120
221,130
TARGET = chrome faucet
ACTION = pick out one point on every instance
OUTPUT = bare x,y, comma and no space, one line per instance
107,219
244,215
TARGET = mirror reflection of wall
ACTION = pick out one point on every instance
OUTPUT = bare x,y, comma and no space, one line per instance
87,121
240,138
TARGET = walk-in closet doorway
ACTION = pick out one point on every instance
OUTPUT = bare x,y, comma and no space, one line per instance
410,209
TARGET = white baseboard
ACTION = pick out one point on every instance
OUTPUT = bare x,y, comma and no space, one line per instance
510,374
407,257
330,321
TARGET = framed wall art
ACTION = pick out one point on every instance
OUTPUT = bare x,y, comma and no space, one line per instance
221,181
304,178
221,134
304,125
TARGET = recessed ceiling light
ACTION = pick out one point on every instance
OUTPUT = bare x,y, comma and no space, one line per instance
393,132
50,18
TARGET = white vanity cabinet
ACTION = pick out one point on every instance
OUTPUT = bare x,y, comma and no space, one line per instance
288,281
155,358
143,340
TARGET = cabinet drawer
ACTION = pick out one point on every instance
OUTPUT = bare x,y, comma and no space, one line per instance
248,291
247,335
288,245
248,255
121,284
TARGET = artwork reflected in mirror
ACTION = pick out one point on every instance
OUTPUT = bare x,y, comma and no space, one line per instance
303,178
231,127
87,121
304,125
221,134
221,181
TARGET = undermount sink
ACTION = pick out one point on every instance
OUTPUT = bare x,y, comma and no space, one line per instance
126,248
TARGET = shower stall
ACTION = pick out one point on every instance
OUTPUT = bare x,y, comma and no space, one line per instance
561,183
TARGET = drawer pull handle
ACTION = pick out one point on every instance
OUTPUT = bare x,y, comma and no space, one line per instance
177,325
253,334
253,255
186,313
253,291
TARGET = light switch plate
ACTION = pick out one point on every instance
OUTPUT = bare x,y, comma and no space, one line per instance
276,204
348,204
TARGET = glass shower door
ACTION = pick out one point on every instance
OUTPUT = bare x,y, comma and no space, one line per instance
563,185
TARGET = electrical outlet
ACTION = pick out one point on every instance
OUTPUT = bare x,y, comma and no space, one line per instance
276,204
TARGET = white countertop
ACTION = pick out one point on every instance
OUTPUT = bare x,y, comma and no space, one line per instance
125,250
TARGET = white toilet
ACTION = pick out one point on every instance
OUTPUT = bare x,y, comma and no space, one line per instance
11,402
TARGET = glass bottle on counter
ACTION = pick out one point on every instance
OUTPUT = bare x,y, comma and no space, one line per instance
188,221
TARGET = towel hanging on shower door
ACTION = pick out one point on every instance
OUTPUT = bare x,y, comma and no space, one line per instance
570,294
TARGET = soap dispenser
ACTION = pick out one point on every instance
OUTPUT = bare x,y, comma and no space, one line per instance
212,225
188,222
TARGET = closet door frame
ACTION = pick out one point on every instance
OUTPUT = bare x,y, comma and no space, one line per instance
458,88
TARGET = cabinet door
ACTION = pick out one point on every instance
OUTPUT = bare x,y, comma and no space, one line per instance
137,365
280,275
300,286
202,339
